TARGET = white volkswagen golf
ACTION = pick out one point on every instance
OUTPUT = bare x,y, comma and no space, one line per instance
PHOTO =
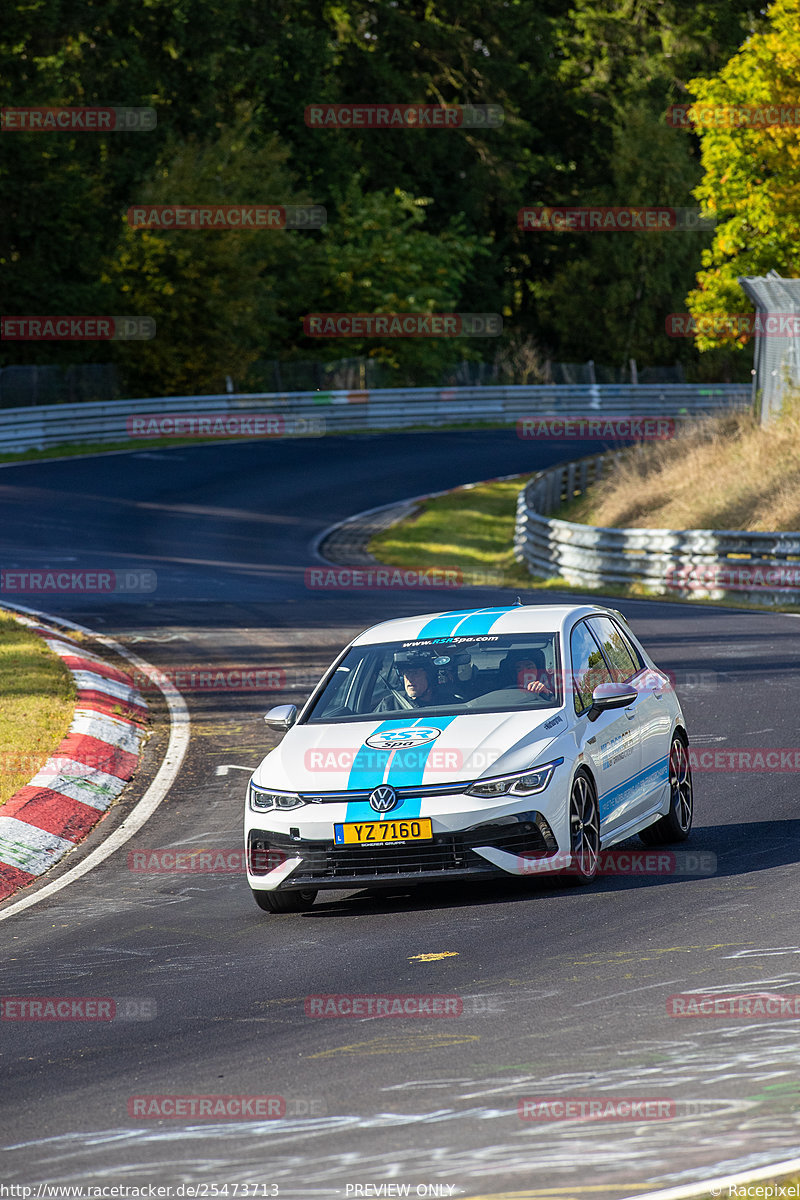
465,745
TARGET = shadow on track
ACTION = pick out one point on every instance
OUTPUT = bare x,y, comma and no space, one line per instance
740,849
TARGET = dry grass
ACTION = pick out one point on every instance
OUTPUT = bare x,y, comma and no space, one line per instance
720,473
37,698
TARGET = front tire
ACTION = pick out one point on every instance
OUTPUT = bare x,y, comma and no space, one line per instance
584,831
284,902
676,825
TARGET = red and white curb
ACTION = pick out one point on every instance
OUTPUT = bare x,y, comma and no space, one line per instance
102,744
46,819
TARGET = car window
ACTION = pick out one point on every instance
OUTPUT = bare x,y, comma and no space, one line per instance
615,648
588,666
339,686
468,674
627,638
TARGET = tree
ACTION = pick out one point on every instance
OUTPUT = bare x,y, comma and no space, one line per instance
605,296
60,193
751,178
220,297
377,258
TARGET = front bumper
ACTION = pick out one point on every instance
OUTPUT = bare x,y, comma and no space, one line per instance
492,850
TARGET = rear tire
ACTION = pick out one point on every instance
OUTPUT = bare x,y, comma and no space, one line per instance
676,825
284,902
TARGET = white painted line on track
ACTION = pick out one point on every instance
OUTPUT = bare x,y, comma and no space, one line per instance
164,779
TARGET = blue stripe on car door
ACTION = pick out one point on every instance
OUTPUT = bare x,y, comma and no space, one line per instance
613,796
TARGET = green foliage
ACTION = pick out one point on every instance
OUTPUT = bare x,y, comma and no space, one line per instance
377,258
218,296
628,282
752,171
418,220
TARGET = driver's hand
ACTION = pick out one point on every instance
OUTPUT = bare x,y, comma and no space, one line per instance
538,687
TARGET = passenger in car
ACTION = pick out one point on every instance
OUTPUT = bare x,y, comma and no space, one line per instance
525,669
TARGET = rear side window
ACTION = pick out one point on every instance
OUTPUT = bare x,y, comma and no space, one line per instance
618,651
588,666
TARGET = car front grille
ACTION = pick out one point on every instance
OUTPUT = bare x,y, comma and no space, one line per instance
403,793
448,852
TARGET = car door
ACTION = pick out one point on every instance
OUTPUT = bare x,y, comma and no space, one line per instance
612,743
627,665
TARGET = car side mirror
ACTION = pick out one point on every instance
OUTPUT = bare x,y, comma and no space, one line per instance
611,695
282,717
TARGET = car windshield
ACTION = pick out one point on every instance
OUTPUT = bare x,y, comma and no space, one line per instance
442,676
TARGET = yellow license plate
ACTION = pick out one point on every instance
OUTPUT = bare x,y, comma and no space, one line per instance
372,833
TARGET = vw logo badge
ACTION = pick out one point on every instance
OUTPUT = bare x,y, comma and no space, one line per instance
383,798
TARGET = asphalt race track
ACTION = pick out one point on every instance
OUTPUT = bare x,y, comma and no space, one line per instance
564,991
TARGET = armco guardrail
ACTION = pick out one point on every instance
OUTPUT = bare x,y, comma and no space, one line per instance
760,568
36,428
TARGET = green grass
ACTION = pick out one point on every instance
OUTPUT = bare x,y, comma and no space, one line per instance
471,529
37,699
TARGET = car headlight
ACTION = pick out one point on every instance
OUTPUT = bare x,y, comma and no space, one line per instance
264,798
523,784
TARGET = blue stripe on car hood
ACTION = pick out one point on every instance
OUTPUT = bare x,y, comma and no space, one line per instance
406,769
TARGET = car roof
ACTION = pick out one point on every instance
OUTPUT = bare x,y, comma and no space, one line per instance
505,619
